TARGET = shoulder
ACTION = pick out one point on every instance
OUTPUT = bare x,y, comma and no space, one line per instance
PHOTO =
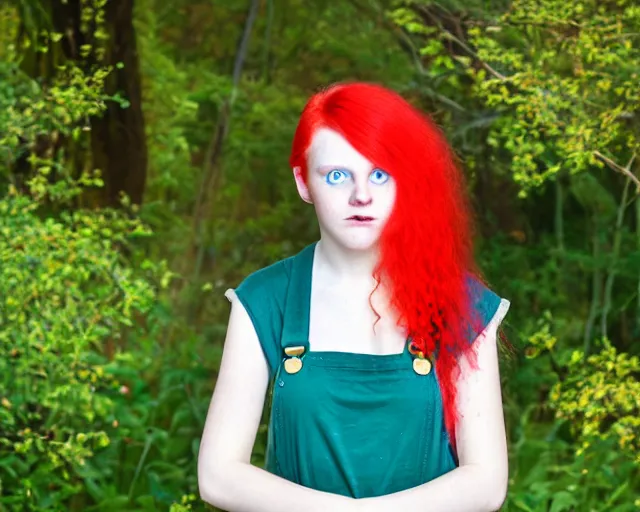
487,306
262,295
267,282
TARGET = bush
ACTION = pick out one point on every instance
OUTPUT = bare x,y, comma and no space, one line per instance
67,295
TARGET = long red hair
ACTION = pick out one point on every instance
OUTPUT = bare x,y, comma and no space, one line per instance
426,249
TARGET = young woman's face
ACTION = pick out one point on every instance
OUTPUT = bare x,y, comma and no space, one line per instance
353,199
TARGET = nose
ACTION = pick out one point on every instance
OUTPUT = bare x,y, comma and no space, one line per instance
361,195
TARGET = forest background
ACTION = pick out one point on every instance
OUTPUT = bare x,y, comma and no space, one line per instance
143,171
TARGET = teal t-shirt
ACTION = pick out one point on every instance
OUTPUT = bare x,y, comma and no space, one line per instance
359,425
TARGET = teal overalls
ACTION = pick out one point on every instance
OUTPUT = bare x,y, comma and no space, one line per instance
359,425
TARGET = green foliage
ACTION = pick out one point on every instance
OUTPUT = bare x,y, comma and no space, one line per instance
108,355
547,475
555,84
171,114
566,88
66,292
78,304
587,458
601,399
36,115
184,505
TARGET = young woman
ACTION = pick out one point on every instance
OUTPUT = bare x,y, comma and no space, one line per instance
380,339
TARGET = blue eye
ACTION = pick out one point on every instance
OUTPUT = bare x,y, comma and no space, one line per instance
379,177
336,176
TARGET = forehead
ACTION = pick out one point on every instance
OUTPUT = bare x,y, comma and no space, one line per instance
328,147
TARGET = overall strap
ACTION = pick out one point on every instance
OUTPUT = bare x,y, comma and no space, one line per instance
295,331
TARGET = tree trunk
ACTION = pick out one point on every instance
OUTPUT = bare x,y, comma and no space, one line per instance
118,141
212,172
617,242
596,286
637,319
118,138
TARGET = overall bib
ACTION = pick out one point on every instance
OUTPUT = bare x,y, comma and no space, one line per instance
354,424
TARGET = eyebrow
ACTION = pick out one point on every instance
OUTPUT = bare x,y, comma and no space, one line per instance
323,168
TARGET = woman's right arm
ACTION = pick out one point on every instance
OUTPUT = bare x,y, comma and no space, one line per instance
226,478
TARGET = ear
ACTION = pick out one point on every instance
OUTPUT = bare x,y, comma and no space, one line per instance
303,189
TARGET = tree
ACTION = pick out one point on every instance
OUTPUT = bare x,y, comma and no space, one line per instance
91,36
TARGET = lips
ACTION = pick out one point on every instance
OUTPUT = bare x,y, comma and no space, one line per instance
360,218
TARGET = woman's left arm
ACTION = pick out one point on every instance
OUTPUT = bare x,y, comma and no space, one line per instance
480,483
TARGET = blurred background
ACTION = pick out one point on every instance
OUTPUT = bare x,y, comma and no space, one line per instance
143,171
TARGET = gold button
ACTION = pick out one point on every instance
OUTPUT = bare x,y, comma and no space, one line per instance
421,366
293,365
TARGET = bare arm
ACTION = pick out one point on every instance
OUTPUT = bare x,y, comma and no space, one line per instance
480,483
226,477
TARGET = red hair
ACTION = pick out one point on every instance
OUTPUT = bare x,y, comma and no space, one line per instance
426,249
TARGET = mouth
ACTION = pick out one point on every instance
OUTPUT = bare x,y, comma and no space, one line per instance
361,218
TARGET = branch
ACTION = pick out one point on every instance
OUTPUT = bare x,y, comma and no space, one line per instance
378,16
212,170
616,167
244,44
462,44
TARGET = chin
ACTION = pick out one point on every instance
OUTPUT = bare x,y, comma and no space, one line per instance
357,242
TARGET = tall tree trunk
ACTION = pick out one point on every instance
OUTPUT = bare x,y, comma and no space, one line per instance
118,138
211,175
212,171
118,141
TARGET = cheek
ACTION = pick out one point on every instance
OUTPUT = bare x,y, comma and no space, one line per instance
325,197
330,206
326,207
386,198
321,200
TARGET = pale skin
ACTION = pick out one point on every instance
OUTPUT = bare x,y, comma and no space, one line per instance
343,263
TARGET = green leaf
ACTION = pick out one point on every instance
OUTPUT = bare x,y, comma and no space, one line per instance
563,500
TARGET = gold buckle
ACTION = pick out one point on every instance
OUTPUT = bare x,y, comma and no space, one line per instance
294,363
296,351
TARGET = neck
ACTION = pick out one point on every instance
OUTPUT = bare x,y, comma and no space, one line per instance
347,265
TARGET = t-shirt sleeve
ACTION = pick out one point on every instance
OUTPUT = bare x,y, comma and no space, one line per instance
263,294
489,308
